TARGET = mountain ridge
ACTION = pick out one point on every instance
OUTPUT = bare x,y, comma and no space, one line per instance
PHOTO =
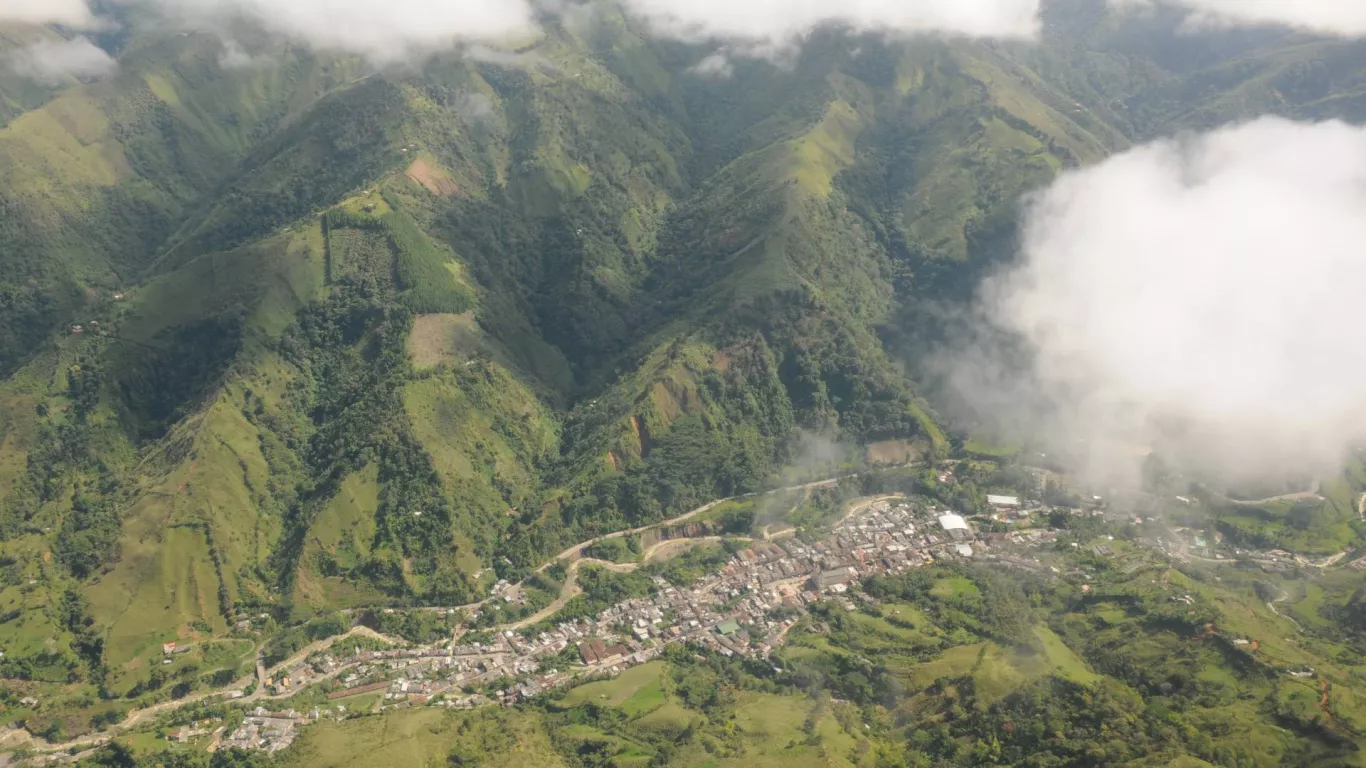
643,286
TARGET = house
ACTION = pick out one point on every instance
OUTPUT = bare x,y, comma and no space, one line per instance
592,651
1004,502
834,577
728,627
168,648
955,526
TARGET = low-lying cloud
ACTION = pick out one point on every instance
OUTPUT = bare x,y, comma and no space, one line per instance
73,13
391,30
1333,17
234,56
714,67
52,62
400,28
1198,296
778,22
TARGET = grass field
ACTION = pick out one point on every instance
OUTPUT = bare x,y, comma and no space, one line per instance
425,736
620,689
1063,661
957,586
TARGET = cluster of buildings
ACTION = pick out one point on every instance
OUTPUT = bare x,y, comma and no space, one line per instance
264,730
745,609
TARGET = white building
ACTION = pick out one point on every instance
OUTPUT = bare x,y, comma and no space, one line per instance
1010,502
953,522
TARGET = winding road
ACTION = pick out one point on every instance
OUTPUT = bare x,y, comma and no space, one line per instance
1312,493
14,737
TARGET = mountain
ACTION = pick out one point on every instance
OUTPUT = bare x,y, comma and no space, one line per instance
354,336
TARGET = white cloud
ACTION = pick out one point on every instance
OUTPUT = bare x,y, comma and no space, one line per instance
475,107
778,22
1198,295
53,61
390,30
234,56
1333,17
714,67
73,13
399,28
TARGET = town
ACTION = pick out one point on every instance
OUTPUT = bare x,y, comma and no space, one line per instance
745,609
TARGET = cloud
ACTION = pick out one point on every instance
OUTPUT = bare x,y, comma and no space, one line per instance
1334,17
475,107
392,30
73,13
1199,296
715,67
52,62
509,59
234,56
779,22
400,28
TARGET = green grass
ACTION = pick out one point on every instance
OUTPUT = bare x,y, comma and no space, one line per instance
617,691
956,586
954,662
771,728
425,736
427,283
668,717
645,700
938,440
1063,661
981,446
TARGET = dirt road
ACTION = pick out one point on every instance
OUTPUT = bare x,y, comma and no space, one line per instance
1312,493
568,592
577,550
12,738
664,548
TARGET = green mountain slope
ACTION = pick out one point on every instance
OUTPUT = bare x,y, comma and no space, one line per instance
385,337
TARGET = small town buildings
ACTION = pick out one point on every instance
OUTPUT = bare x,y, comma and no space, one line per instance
955,526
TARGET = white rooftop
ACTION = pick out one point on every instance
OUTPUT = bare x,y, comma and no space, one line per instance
1003,501
949,521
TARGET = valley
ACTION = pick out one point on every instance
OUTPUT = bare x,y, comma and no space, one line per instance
320,366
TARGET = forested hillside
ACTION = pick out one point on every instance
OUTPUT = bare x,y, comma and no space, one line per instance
306,333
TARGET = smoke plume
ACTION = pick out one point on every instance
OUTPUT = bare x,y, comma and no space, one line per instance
1199,296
